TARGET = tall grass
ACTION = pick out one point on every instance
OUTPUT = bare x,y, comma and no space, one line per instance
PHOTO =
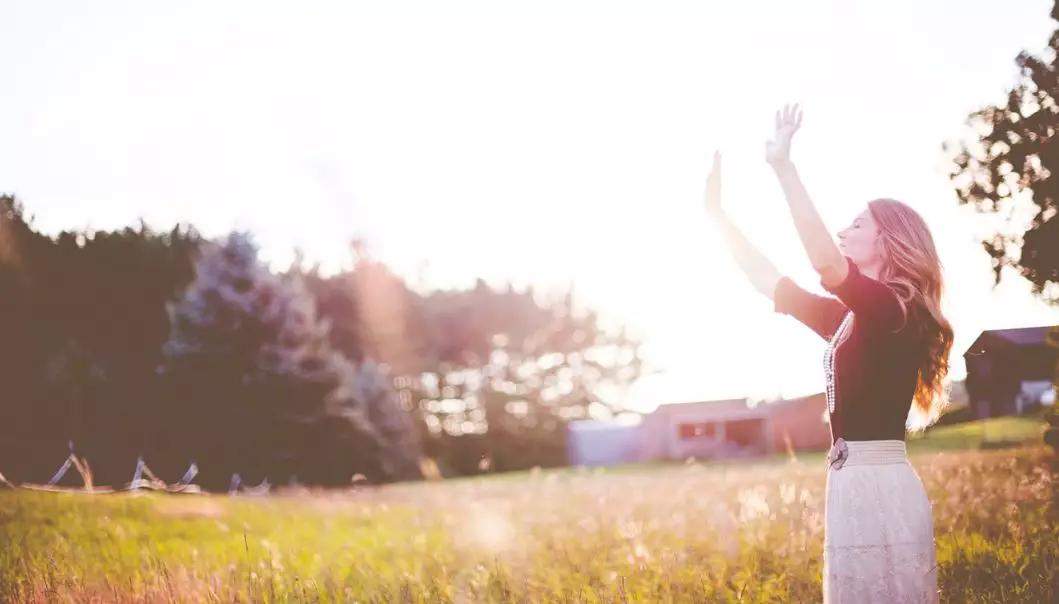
749,531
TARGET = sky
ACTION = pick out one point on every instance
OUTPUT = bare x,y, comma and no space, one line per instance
545,143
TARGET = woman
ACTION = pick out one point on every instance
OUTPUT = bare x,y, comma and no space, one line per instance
886,356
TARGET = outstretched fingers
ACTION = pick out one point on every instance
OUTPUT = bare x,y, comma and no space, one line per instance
790,116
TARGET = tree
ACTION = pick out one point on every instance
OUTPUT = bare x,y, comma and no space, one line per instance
1012,168
83,319
492,375
258,379
391,414
510,373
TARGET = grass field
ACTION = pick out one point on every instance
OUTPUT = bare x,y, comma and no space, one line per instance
747,531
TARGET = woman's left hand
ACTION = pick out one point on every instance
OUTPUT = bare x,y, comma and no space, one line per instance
778,150
713,187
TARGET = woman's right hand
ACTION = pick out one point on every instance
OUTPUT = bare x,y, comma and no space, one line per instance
713,187
778,150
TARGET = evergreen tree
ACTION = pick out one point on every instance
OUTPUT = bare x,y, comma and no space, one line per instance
259,379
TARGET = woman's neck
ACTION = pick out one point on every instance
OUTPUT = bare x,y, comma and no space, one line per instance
872,271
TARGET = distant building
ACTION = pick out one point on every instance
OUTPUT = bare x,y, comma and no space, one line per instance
707,429
1010,371
598,443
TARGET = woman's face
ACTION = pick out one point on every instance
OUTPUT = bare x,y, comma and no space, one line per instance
860,241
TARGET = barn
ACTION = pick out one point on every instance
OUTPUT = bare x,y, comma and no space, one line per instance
1010,371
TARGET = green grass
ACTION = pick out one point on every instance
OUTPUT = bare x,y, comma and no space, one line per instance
747,531
987,433
271,548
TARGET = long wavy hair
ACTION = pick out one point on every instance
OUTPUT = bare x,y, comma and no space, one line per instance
911,267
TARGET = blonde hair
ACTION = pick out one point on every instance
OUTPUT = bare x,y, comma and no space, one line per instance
911,266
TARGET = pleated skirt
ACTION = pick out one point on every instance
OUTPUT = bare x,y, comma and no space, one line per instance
878,527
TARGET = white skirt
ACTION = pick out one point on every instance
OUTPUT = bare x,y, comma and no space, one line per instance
878,526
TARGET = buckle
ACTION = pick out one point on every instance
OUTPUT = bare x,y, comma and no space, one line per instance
838,454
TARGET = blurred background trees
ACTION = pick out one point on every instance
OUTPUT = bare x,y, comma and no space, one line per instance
83,320
180,349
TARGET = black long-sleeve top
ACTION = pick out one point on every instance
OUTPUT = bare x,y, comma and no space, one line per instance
875,356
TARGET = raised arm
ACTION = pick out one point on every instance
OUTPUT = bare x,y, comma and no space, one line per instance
819,313
762,274
824,255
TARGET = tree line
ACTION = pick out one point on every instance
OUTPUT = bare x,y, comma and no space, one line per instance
180,349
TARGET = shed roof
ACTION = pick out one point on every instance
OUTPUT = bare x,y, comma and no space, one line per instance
1017,336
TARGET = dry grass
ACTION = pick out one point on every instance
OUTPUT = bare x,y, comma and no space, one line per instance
737,532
